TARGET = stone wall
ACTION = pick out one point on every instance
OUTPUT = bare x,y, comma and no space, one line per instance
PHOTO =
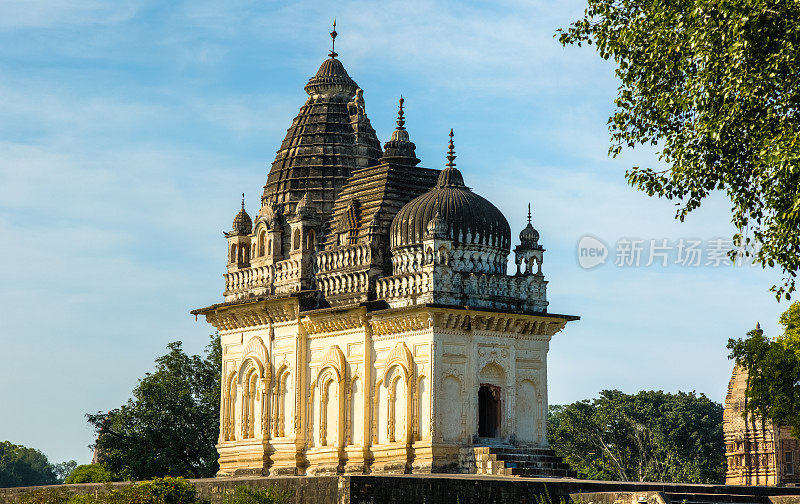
437,489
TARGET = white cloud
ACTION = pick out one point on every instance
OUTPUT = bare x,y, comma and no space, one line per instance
21,14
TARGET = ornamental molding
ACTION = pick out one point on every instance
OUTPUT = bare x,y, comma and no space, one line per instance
498,324
401,323
325,323
251,315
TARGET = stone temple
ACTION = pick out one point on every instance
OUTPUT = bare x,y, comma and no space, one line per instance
757,451
369,322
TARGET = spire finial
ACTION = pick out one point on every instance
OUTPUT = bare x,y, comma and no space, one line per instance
400,120
451,152
529,213
333,54
242,201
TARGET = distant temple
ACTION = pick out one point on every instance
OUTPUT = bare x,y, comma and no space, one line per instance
369,323
758,452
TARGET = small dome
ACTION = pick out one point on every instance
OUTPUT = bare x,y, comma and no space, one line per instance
305,208
467,217
529,236
331,78
437,227
242,224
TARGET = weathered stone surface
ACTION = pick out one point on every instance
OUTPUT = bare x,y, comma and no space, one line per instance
466,489
758,452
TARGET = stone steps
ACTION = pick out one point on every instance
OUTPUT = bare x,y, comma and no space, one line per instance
524,462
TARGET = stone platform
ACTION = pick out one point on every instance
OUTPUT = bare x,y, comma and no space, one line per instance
471,489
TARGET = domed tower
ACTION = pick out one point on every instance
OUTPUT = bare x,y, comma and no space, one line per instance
477,234
451,246
529,253
330,137
239,240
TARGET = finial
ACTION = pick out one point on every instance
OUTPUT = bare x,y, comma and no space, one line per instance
242,201
400,120
333,54
451,151
529,213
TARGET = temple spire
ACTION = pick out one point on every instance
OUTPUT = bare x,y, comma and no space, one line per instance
451,151
529,213
400,149
333,54
242,201
400,119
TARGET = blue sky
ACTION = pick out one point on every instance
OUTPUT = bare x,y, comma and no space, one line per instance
129,129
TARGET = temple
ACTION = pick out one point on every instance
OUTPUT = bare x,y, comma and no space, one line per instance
369,321
757,452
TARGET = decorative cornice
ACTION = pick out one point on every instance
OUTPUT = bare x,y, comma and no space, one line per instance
333,321
257,313
401,322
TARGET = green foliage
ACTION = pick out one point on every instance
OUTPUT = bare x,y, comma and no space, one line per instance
22,466
157,491
89,473
773,367
247,495
64,469
46,496
650,436
170,425
714,85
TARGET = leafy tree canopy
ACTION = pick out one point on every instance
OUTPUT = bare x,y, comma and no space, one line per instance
64,469
714,84
22,466
650,436
170,424
773,371
89,473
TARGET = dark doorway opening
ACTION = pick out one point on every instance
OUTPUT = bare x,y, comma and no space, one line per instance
488,411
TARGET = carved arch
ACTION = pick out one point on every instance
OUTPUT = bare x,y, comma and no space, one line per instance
400,356
334,358
257,351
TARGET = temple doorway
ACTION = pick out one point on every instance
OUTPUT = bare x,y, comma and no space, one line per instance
488,411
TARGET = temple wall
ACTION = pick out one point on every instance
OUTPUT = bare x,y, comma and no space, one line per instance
397,391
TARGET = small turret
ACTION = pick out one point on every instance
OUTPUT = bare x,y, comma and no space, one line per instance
400,149
529,253
239,240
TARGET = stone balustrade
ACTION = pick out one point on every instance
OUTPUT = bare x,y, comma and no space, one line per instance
350,256
278,278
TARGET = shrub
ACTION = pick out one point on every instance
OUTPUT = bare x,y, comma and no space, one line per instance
157,491
247,495
46,496
89,473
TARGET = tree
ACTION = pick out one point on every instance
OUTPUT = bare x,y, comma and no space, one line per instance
714,85
89,473
22,466
650,436
170,425
64,469
773,371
